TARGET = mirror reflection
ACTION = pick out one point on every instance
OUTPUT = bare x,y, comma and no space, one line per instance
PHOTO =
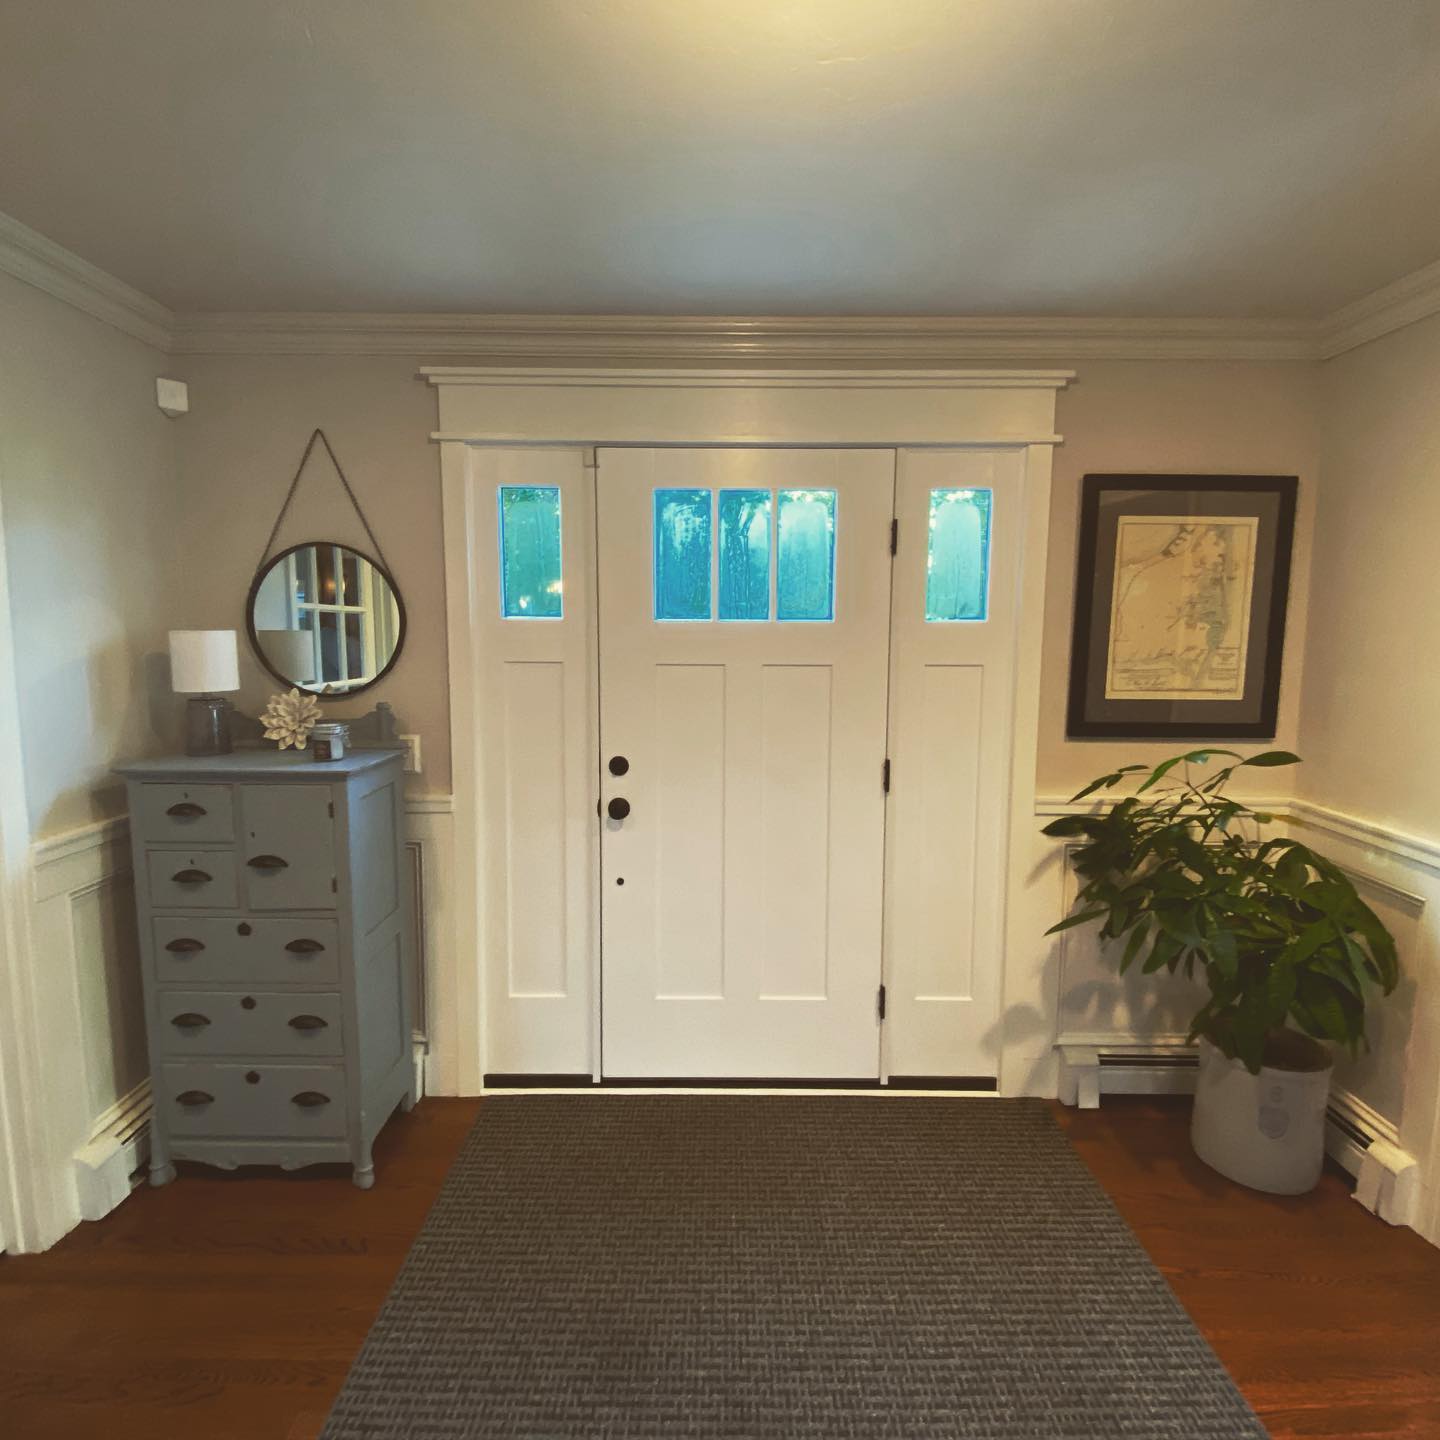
326,618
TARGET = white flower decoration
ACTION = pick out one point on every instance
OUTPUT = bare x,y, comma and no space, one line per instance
290,719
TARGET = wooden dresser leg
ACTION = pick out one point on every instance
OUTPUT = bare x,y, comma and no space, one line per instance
162,1174
364,1177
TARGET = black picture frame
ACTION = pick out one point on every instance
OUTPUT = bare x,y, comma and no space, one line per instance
402,623
1270,499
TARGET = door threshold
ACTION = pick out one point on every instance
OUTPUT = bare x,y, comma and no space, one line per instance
908,1084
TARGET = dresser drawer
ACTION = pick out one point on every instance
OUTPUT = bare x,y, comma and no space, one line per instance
184,814
202,950
231,1100
287,845
261,1022
192,879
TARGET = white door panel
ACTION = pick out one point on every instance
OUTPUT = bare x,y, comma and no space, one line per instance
536,712
741,896
950,718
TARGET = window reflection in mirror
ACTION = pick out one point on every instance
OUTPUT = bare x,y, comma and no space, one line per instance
326,619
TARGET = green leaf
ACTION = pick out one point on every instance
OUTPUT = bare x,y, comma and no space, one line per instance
1072,920
1271,758
1132,946
1194,757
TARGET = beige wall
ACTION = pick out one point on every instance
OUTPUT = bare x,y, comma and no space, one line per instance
87,475
250,417
1372,684
1210,417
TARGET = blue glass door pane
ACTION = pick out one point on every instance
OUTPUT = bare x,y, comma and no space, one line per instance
744,554
805,567
682,554
957,577
530,577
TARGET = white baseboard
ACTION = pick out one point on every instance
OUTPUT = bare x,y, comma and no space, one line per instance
108,1166
1357,1137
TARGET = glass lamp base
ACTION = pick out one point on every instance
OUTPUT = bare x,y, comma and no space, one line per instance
207,725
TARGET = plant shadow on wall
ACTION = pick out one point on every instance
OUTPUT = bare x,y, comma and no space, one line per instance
1186,876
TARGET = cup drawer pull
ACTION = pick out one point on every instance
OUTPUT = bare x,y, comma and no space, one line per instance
192,877
308,1022
191,1021
194,1097
309,1099
187,810
184,946
267,862
304,947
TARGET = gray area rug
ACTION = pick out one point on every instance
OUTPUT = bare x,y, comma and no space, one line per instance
742,1268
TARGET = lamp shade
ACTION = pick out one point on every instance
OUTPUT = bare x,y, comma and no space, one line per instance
291,654
203,662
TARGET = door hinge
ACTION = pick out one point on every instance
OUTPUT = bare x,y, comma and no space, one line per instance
895,537
885,775
880,1002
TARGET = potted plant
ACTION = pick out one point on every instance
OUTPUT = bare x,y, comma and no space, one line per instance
1184,875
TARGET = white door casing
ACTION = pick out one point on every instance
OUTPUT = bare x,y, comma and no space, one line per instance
741,897
489,413
951,707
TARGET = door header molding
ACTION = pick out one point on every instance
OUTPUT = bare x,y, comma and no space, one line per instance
820,407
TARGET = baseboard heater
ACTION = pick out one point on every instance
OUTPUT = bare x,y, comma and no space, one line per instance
588,1082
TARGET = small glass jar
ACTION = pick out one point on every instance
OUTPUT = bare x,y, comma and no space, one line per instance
329,740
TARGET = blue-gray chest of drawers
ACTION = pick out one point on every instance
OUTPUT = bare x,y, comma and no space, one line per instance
275,935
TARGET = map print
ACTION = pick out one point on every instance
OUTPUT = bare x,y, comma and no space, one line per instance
1180,609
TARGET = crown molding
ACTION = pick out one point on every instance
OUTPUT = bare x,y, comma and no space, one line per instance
898,341
1413,297
29,256
700,340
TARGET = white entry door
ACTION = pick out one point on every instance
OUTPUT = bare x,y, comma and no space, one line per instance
744,619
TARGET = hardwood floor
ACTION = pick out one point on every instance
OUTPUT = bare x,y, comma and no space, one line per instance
230,1307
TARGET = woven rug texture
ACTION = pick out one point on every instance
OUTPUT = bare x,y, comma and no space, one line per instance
779,1268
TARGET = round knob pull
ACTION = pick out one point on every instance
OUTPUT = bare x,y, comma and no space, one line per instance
248,1003
618,808
619,765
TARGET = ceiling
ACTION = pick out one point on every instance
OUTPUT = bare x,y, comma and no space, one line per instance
803,157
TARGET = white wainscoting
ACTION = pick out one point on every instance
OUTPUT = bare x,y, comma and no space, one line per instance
83,924
1127,1035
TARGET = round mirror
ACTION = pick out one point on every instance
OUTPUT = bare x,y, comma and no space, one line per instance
325,618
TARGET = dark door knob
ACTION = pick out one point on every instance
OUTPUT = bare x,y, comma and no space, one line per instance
618,809
619,765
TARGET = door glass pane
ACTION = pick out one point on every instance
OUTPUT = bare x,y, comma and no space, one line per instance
744,554
805,580
957,573
530,577
682,554
326,591
329,646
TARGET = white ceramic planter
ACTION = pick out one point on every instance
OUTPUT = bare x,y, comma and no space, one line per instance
1266,1131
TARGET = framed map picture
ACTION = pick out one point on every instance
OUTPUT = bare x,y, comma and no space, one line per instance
1180,605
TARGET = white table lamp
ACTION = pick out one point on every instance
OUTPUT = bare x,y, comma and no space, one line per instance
203,664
